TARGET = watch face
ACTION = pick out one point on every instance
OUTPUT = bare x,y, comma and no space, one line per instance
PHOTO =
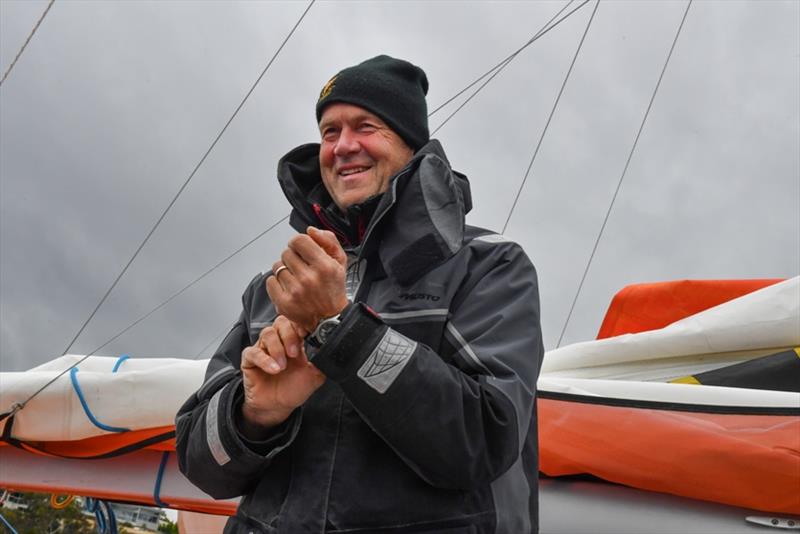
324,329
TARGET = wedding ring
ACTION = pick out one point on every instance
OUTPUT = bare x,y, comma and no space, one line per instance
278,270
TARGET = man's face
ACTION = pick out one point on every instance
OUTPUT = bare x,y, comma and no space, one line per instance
358,154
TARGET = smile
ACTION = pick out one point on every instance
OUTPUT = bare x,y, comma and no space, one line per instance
354,170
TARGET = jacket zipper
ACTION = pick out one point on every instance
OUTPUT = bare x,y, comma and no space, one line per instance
376,218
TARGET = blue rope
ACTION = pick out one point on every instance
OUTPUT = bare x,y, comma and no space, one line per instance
93,506
122,358
159,478
106,519
74,378
8,525
111,518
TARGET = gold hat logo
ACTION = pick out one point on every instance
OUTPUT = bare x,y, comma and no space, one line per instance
328,87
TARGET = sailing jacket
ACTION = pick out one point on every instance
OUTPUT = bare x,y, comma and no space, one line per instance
426,422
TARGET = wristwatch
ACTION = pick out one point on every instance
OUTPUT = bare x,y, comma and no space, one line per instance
322,333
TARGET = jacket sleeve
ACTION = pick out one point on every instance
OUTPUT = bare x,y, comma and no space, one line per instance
457,425
212,453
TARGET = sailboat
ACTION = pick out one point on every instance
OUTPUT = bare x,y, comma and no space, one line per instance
706,407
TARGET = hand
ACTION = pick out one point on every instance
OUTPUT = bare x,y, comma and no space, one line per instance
277,376
311,287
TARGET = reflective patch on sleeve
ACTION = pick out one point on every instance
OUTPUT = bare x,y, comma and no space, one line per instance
414,314
212,431
387,360
464,349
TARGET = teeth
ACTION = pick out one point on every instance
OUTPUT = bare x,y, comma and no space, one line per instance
348,172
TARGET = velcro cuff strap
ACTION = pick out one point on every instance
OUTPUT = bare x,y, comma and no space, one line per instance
352,342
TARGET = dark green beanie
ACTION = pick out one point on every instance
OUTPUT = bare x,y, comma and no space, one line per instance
392,89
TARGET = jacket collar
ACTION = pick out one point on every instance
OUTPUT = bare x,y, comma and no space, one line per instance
417,224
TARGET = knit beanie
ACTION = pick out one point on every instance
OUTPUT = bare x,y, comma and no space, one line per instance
392,89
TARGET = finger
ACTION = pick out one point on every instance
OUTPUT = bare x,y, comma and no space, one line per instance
299,330
275,291
296,266
328,242
271,342
308,249
279,269
289,338
303,359
249,357
255,358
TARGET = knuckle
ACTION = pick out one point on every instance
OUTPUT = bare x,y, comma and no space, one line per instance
248,355
306,278
328,267
296,293
266,330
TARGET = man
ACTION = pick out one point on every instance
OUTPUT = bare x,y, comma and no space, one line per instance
384,381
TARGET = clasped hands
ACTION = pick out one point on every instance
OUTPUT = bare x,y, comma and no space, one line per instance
307,285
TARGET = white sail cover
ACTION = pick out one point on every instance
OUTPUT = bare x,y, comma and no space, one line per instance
146,393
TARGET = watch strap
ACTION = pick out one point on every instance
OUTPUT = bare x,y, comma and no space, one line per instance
359,331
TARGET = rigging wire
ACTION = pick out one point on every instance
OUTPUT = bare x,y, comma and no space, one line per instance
210,343
550,117
186,183
28,40
187,286
501,64
624,171
499,70
17,406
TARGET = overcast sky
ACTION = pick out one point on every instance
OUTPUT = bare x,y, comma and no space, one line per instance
113,104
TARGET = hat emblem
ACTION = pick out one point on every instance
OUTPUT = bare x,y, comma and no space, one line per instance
328,87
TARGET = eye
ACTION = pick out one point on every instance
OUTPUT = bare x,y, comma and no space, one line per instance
367,127
330,134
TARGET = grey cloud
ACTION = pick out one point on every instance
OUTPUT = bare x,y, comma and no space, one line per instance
113,104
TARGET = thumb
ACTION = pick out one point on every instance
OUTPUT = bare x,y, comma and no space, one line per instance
328,242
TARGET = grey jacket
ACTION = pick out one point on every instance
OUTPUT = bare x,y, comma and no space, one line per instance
427,420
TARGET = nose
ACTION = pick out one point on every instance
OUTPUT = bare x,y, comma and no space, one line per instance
347,143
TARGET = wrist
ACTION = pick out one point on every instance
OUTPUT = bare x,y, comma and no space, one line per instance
340,307
255,421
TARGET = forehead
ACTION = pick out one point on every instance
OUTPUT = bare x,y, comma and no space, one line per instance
340,112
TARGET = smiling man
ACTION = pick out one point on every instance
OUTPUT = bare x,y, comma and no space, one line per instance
382,376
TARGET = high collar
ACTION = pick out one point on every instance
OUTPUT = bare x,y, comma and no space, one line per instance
415,225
